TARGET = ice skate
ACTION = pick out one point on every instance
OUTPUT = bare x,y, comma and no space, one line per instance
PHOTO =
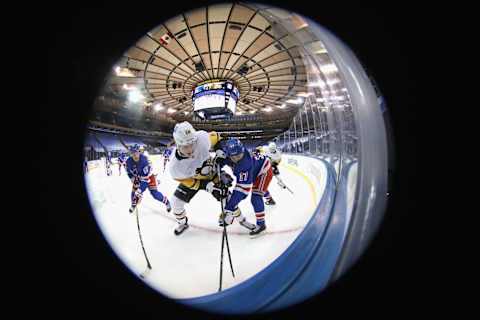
270,202
246,224
258,231
181,227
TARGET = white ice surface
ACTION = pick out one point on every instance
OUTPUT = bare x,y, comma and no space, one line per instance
187,266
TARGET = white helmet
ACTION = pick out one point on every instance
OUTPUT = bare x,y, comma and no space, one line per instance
184,134
272,146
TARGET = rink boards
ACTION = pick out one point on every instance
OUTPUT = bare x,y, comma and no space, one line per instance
277,269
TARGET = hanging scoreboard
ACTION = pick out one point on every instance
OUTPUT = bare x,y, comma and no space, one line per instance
215,100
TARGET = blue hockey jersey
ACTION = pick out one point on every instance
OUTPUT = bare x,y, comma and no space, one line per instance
167,152
245,171
141,169
122,158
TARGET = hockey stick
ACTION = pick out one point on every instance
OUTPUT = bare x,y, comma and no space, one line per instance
224,239
281,183
149,266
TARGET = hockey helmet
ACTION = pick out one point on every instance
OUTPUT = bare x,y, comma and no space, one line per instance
135,148
272,146
234,147
184,134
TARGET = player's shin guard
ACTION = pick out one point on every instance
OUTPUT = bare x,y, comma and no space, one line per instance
259,208
160,197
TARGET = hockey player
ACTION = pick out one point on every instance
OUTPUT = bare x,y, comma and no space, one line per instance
193,168
122,162
253,174
166,157
143,151
140,172
85,165
257,151
108,164
275,157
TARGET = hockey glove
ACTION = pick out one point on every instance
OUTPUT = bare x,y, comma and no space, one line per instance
219,192
275,170
226,179
207,169
136,183
219,156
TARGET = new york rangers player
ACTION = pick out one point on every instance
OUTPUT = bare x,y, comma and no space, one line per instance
253,174
275,156
122,162
166,157
139,170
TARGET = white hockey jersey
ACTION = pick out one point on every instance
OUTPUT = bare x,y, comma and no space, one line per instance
185,170
275,157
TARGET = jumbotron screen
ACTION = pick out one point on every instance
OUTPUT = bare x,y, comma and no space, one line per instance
215,98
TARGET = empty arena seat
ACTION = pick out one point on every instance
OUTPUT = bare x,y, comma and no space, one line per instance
131,140
110,141
90,141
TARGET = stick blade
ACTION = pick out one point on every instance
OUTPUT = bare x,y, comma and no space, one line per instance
145,273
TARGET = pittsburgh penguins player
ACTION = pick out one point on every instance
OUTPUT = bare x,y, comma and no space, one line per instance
193,167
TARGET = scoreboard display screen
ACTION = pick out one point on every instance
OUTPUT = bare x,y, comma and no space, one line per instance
215,98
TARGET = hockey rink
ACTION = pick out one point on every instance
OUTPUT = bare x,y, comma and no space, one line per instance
187,266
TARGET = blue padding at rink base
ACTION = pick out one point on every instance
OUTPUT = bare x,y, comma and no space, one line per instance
302,270
318,270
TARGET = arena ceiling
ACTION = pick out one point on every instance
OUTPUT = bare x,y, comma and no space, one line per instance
223,41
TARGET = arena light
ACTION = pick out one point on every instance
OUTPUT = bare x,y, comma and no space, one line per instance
282,106
171,110
295,101
158,107
328,68
135,96
252,111
298,22
305,94
319,84
269,109
333,81
124,72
